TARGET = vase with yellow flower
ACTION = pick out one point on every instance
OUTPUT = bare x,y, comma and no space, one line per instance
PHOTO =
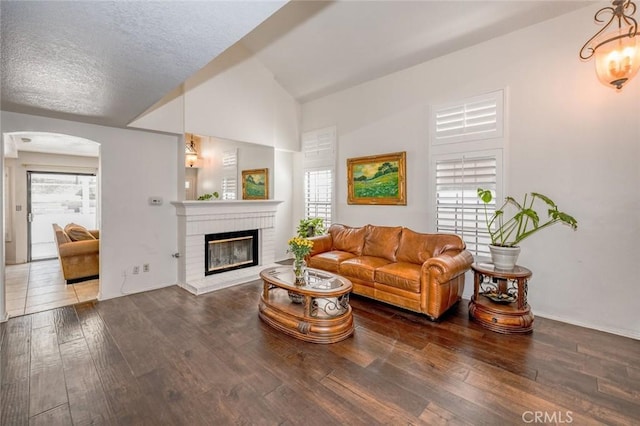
300,247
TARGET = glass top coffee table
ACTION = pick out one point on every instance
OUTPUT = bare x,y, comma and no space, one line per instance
316,311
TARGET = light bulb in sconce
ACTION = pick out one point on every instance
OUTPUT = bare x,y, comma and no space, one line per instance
191,159
190,153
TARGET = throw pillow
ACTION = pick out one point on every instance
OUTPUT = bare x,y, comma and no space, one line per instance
78,232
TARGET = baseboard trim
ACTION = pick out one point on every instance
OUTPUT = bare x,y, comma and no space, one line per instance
612,330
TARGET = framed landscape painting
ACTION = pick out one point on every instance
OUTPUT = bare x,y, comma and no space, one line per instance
378,179
255,184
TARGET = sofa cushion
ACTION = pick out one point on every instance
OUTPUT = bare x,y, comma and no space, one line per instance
382,241
418,248
403,275
78,232
413,247
348,239
329,260
362,267
447,243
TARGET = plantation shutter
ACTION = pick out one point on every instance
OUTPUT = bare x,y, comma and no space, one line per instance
319,152
318,185
475,118
230,174
458,209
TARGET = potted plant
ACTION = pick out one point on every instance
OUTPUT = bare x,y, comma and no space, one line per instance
208,197
311,227
508,228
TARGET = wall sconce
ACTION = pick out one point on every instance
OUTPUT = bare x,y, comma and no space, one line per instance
190,153
617,52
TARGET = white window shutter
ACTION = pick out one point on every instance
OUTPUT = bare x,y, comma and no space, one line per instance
458,208
319,153
230,174
480,117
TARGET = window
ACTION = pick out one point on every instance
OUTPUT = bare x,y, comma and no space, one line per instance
475,118
458,209
318,149
318,185
467,142
230,174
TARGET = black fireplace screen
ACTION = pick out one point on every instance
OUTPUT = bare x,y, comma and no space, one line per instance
227,251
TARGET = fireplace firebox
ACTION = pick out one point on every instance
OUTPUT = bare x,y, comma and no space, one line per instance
227,251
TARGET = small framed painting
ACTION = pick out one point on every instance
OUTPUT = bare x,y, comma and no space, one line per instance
255,184
378,179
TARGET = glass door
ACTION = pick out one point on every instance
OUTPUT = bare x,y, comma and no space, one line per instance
59,198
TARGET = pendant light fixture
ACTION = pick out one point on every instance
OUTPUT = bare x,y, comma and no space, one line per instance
616,49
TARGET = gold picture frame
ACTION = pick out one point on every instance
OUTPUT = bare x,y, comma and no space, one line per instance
377,179
255,184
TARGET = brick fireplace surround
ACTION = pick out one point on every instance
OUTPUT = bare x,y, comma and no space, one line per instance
198,218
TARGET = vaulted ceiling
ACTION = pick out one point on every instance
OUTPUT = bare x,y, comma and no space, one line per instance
107,62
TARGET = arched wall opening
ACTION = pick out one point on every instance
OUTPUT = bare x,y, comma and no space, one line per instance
134,167
48,178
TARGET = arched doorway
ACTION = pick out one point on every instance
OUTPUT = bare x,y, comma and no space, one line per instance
48,178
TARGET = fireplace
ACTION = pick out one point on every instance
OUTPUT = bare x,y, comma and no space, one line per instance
196,219
227,251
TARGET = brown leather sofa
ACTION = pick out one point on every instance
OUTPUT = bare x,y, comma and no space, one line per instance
80,260
420,272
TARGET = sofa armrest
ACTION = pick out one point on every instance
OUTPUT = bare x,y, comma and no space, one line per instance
442,281
448,265
77,248
95,233
321,244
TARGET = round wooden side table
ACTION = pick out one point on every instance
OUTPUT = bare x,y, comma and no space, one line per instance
499,300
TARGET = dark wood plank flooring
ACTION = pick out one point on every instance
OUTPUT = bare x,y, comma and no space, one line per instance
167,357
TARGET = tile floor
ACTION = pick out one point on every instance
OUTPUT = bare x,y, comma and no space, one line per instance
39,286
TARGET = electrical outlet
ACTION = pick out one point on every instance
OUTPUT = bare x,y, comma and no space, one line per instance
136,269
145,267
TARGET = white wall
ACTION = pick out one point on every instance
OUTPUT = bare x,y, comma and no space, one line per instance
284,190
235,97
569,137
134,165
3,292
250,156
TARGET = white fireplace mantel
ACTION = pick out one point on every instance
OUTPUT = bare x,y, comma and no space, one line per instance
198,218
223,206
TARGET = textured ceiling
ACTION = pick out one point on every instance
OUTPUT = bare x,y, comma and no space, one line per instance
106,62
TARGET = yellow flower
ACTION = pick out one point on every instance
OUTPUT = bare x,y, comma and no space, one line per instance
300,247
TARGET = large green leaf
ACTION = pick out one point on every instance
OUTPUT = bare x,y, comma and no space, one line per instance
485,195
544,198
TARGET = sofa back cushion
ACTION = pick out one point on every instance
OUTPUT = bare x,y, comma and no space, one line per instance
346,238
78,232
418,248
382,241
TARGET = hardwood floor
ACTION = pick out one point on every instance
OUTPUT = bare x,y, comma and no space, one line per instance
167,357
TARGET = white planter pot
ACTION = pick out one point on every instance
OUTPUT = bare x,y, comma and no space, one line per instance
504,258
